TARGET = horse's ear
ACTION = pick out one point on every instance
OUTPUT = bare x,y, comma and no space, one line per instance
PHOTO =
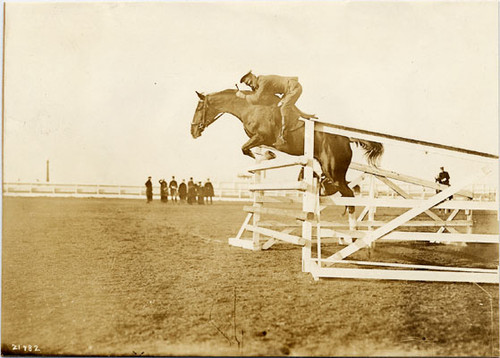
200,96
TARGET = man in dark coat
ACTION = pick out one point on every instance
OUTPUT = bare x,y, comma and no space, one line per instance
209,190
191,194
183,190
149,190
443,178
261,86
163,191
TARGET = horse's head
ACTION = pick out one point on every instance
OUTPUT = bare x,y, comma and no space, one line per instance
204,115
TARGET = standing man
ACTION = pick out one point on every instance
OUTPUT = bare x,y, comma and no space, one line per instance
182,190
289,87
209,190
201,193
191,194
173,189
163,191
149,190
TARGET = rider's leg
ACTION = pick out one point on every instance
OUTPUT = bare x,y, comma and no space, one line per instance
280,141
288,101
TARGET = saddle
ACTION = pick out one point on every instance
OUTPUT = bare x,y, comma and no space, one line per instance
294,122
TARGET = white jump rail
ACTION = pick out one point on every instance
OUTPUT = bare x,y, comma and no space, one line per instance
333,266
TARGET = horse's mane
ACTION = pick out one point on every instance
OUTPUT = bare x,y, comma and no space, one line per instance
270,99
266,100
226,91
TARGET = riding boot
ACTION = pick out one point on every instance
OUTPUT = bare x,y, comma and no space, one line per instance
281,141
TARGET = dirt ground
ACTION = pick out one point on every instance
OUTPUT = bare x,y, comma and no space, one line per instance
122,277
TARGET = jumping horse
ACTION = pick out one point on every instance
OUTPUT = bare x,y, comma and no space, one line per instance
262,123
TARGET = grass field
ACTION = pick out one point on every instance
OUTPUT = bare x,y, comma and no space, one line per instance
120,277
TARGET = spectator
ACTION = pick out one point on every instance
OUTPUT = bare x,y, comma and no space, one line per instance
173,189
191,194
200,192
183,190
149,190
209,190
163,191
443,178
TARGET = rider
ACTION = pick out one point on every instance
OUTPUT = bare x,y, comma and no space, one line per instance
289,87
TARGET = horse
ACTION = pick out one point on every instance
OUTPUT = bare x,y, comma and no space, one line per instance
262,123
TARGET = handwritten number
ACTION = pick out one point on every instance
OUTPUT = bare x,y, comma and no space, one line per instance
27,348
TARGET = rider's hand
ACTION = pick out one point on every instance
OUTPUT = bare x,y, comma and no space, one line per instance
240,94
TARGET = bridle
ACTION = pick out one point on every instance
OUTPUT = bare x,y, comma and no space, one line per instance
202,125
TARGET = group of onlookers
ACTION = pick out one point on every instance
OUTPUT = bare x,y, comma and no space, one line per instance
189,192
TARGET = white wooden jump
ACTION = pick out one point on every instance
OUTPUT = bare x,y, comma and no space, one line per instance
360,233
263,237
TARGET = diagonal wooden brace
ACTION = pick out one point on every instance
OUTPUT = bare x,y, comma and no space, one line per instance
407,216
405,195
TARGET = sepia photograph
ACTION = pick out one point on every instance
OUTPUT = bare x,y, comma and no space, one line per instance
250,178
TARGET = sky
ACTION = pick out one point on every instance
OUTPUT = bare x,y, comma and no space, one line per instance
106,91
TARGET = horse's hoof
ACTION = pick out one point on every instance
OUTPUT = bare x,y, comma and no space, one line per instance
349,209
269,155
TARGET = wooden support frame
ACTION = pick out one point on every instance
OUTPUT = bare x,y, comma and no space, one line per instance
385,231
263,235
365,229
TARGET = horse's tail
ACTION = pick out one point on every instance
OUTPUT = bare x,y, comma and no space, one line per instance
373,150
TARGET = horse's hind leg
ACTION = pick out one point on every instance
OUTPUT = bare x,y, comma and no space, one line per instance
344,189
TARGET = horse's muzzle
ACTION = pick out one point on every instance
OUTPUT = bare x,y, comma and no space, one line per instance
196,131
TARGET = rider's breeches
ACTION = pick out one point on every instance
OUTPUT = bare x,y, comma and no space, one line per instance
288,101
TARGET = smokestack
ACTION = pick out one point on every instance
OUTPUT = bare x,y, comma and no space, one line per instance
47,170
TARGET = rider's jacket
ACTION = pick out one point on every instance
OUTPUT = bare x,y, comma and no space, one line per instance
272,84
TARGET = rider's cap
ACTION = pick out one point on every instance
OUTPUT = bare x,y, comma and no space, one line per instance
247,75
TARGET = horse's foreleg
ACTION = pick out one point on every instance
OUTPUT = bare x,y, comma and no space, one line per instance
253,142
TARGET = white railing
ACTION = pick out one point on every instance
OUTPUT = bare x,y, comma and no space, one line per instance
223,191
480,192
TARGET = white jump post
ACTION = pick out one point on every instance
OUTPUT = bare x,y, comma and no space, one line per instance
310,202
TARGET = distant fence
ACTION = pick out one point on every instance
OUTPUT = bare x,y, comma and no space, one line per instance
230,191
223,190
